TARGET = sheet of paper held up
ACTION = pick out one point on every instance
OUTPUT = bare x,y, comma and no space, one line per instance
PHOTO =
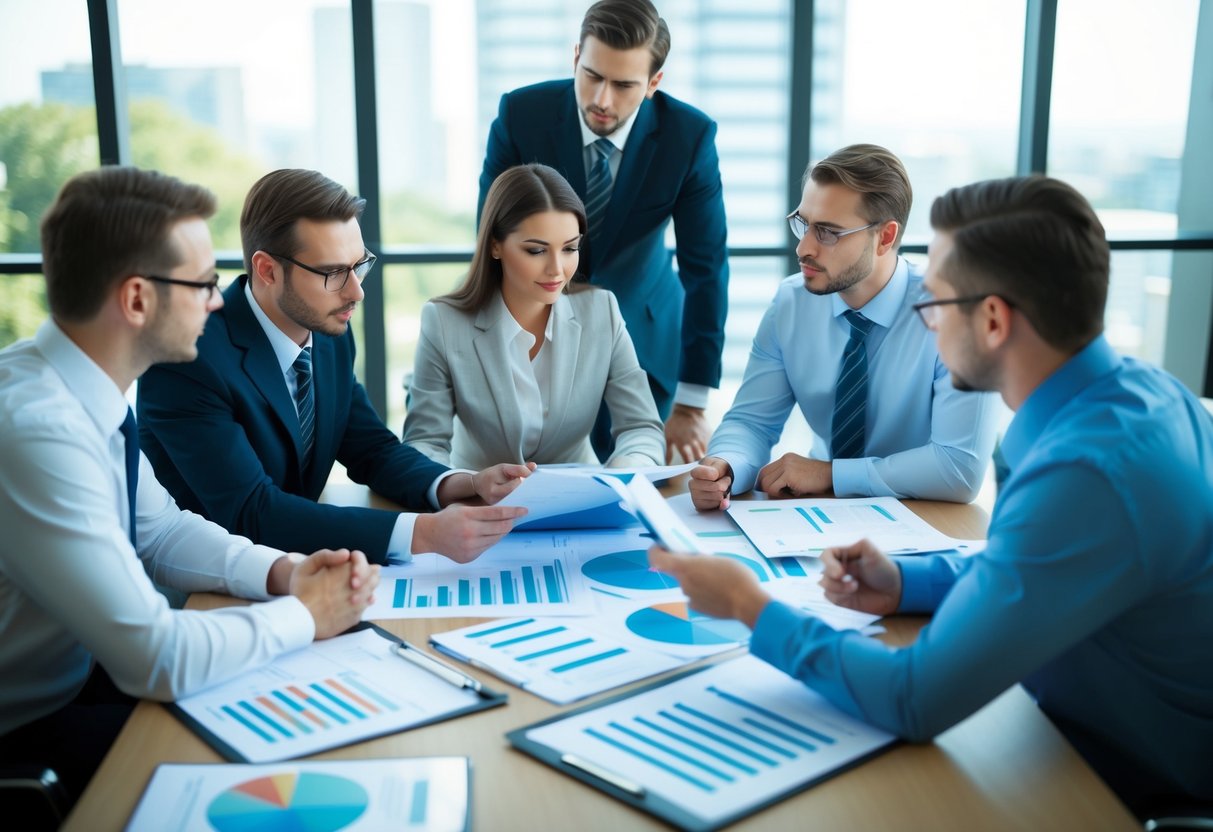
575,497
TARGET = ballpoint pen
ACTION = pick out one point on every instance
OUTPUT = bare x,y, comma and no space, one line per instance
516,681
439,668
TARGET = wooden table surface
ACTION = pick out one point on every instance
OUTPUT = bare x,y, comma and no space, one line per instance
1004,768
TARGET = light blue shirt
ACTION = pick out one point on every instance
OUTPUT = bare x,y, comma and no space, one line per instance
924,439
1096,589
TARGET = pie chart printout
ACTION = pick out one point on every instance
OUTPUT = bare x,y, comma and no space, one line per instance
302,802
626,570
675,623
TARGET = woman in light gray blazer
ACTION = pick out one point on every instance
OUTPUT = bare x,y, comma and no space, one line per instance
513,365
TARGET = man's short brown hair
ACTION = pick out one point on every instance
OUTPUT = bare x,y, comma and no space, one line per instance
876,175
108,224
280,199
628,24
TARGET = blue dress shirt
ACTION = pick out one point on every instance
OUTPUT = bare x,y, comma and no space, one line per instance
924,439
1096,589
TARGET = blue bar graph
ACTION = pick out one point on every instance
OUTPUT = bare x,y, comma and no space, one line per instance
609,654
542,583
884,512
793,567
444,596
771,715
421,798
822,515
528,637
502,628
400,598
486,591
465,593
528,585
507,588
549,580
560,648
808,517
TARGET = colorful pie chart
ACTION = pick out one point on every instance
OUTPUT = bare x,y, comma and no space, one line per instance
627,570
288,802
676,623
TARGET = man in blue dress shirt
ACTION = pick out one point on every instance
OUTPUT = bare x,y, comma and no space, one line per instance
841,341
1096,589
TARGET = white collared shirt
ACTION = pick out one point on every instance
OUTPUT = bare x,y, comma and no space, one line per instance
72,588
532,377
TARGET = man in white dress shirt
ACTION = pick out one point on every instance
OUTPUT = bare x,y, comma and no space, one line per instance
131,280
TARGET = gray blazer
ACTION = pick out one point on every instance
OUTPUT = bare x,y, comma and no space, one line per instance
464,410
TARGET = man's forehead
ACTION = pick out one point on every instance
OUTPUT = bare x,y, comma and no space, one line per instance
329,238
831,203
615,64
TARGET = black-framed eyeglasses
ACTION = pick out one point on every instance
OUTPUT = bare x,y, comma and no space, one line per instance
211,285
335,279
825,235
928,310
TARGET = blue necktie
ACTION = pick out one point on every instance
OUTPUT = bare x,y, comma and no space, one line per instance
851,392
305,401
598,187
130,435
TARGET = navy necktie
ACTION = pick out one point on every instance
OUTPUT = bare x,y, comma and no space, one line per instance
598,187
305,401
130,435
851,392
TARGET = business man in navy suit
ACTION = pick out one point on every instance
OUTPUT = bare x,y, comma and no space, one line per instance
663,165
247,434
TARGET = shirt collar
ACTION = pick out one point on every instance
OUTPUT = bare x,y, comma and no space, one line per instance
619,138
883,309
1093,361
285,350
106,404
510,326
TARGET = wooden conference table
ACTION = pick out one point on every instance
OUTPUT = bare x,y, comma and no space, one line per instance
1004,768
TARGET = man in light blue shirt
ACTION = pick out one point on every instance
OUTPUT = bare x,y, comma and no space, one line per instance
842,342
1096,589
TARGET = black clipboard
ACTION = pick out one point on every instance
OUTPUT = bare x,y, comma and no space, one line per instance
487,698
622,788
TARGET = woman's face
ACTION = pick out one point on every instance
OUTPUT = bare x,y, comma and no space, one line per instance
538,258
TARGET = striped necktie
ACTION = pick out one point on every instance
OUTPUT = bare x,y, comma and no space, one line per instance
851,392
130,435
305,401
598,187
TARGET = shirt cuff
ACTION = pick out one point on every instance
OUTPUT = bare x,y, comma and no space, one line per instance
400,544
432,494
292,622
917,587
250,570
744,474
692,395
850,478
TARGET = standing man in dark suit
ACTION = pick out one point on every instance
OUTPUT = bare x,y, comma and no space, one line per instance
247,434
638,158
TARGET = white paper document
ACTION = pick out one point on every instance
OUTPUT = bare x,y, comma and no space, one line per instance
782,528
576,497
526,573
716,744
426,794
331,693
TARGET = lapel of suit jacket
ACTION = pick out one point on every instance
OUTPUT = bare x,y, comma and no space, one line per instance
259,362
566,345
493,351
566,144
633,168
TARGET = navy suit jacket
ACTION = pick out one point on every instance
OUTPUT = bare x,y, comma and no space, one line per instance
223,436
669,170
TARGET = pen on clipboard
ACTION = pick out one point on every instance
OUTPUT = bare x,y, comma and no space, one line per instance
439,668
516,681
610,777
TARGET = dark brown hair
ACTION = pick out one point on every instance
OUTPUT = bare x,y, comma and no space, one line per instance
280,199
1037,243
876,174
108,224
518,193
628,24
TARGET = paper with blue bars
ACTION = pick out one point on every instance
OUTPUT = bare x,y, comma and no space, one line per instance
716,744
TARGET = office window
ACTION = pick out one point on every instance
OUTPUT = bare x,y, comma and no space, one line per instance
936,82
44,139
224,95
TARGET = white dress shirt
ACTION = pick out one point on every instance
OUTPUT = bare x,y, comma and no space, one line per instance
532,378
924,439
72,588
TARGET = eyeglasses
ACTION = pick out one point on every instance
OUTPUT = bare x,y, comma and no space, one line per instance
211,285
335,279
825,235
928,310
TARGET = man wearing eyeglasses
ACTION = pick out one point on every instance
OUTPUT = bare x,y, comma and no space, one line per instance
247,435
1096,588
841,341
86,527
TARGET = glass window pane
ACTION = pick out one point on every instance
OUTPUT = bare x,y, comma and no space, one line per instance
1140,288
48,122
1120,107
936,82
223,97
22,306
